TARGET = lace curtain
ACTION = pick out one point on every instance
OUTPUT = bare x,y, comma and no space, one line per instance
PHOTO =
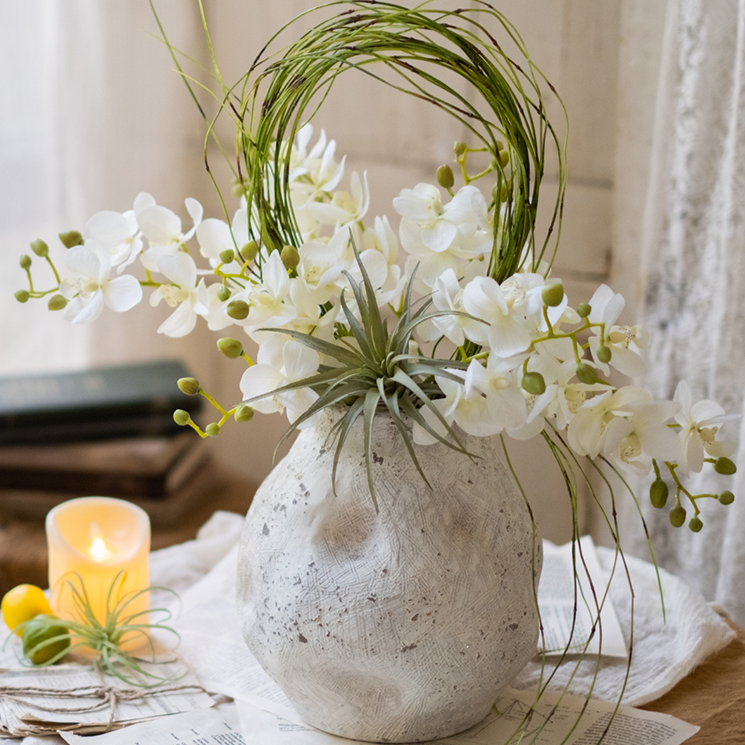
693,248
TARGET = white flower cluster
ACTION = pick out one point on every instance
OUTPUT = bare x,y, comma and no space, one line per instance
533,361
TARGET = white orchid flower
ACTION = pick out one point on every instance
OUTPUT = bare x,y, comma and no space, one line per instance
321,266
182,293
118,233
381,238
699,424
92,288
298,362
215,236
269,300
344,208
634,442
506,332
317,174
588,426
498,382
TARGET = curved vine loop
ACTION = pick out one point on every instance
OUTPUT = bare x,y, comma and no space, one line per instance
281,92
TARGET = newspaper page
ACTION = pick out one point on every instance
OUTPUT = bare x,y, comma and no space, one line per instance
557,599
516,718
220,726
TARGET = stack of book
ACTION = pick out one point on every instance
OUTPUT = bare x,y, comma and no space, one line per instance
105,431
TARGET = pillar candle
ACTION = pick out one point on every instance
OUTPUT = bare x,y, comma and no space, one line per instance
93,540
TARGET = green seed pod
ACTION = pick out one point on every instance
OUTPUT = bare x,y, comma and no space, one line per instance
504,158
181,417
223,294
22,296
290,257
71,238
250,250
584,310
25,261
238,309
533,383
212,430
695,525
459,148
57,302
604,354
227,255
586,374
658,492
238,188
231,348
677,516
39,248
244,413
725,466
189,386
553,294
504,192
726,497
445,177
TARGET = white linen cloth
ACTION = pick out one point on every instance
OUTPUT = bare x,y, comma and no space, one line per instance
203,572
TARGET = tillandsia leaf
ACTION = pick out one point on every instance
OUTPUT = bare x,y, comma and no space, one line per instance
372,397
356,327
350,417
343,354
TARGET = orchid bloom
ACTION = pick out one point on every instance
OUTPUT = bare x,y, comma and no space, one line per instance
182,293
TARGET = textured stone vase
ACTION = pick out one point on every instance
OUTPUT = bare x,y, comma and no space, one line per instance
399,626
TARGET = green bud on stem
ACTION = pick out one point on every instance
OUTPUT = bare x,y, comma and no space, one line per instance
724,466
726,497
181,417
552,294
250,250
71,238
223,293
533,383
290,257
231,348
504,158
238,309
25,261
22,296
584,310
677,516
39,248
604,354
244,413
445,177
227,255
57,302
658,492
189,386
212,430
459,148
586,374
695,524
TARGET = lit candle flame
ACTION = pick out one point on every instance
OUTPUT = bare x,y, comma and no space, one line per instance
99,550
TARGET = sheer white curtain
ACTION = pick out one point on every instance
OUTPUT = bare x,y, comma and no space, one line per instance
693,247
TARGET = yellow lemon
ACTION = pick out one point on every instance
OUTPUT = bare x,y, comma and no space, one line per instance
41,630
21,604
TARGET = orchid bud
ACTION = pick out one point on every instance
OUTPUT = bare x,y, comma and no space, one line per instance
25,261
586,374
552,294
504,192
71,238
57,302
533,383
227,255
181,417
212,430
504,158
39,248
244,413
238,188
290,257
22,296
695,525
459,148
677,516
658,492
584,310
223,293
189,386
724,466
231,348
726,497
250,250
604,354
238,309
445,177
